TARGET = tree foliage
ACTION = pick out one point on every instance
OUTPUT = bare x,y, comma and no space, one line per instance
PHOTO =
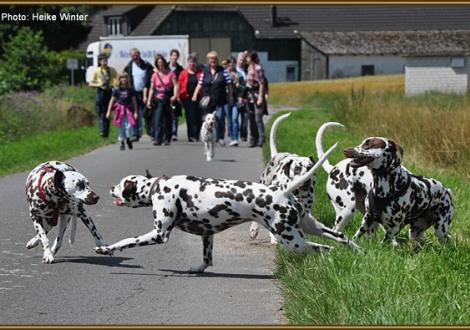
26,64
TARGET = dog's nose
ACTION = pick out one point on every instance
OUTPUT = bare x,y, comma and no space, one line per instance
349,152
92,198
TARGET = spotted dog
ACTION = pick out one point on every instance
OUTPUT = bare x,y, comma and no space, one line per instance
204,207
282,169
208,136
347,186
55,193
399,197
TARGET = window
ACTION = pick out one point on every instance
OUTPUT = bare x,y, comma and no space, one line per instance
367,70
290,73
115,25
457,62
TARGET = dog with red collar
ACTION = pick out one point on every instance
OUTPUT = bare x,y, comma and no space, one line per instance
56,193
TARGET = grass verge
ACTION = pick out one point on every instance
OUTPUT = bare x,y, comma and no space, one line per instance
27,152
382,286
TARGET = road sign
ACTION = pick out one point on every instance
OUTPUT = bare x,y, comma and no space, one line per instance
72,64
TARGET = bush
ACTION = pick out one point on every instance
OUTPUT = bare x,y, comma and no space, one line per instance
26,62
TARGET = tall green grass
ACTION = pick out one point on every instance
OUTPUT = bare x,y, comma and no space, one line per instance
408,285
28,113
35,127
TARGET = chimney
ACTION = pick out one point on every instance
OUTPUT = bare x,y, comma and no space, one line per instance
273,16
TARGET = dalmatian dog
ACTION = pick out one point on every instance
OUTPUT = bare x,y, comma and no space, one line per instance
347,186
208,136
56,192
282,169
398,197
206,206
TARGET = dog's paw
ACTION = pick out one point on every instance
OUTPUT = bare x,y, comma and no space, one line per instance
254,229
103,250
198,269
47,258
32,243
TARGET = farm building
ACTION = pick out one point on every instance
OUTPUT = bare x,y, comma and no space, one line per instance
295,42
439,61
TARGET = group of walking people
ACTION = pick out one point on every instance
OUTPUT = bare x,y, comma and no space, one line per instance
235,90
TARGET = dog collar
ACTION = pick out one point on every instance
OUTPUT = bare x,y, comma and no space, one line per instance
42,195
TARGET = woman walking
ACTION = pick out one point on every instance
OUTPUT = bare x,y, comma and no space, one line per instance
103,79
163,92
256,89
215,82
187,82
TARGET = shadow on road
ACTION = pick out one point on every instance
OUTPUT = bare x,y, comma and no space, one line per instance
182,273
98,260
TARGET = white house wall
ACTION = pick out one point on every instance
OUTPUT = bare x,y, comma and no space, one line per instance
423,74
351,66
275,71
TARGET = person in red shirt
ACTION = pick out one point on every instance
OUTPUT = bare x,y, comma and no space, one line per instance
187,82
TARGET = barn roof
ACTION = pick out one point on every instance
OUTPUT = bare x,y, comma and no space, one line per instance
423,43
306,18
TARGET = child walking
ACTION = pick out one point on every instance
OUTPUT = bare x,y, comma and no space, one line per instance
124,105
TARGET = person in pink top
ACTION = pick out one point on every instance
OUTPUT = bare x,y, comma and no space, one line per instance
163,92
124,105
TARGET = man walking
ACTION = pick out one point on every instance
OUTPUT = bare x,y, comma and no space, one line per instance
139,72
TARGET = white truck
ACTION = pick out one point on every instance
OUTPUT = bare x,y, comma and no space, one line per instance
118,49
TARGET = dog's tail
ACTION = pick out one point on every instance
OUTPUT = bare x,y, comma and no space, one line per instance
319,143
293,185
272,135
73,230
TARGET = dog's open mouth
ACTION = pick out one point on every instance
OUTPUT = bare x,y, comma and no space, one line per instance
118,201
361,161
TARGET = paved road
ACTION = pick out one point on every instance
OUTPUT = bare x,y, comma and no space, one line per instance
139,286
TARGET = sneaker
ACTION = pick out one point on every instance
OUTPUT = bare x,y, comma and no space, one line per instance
244,139
129,143
251,145
234,143
190,140
167,143
123,146
157,143
174,138
135,139
260,145
221,143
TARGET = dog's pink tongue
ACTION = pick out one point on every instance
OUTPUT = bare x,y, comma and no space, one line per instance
117,201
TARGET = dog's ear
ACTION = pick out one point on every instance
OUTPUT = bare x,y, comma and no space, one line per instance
59,180
147,174
396,147
286,167
130,188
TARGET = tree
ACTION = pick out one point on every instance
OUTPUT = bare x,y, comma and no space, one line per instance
25,62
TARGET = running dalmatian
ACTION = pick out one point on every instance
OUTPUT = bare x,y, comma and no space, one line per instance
398,197
205,206
281,170
55,193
